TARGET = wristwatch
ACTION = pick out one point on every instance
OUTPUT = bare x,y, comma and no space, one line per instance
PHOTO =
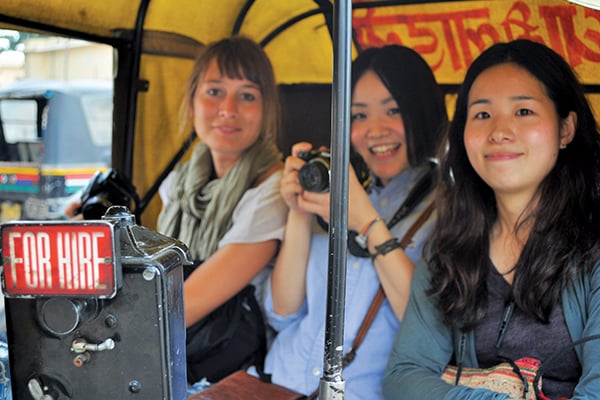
362,237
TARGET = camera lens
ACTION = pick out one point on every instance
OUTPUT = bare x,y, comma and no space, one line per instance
314,176
96,206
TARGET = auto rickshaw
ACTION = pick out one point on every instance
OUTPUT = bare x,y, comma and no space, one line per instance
156,41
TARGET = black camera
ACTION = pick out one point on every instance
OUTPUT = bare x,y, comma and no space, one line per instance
106,189
314,175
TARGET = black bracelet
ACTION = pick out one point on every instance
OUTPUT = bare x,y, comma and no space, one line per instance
385,247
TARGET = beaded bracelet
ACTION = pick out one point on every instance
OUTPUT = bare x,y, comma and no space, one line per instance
385,247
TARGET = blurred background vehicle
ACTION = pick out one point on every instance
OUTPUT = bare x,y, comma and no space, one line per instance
54,135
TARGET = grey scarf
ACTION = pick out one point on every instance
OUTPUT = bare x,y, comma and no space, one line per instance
199,210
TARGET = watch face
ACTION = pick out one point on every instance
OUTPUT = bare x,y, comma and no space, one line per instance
357,244
361,240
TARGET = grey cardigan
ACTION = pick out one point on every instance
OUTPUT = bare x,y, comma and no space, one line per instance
424,345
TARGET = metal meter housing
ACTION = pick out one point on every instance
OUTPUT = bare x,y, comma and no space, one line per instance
73,337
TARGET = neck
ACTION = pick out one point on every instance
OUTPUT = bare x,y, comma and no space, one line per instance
513,209
222,164
510,232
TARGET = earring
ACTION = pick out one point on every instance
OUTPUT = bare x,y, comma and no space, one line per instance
563,146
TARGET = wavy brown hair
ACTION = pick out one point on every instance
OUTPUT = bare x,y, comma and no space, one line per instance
566,221
238,57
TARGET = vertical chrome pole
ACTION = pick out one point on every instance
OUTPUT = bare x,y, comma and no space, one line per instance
332,385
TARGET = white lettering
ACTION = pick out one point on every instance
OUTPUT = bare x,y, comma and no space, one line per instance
97,236
29,256
43,267
74,261
14,260
85,266
63,255
79,261
71,261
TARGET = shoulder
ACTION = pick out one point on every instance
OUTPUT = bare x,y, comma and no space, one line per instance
166,187
585,281
267,188
260,214
274,171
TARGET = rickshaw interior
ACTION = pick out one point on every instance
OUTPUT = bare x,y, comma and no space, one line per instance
156,41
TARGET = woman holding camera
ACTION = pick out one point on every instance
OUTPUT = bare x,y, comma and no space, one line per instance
398,118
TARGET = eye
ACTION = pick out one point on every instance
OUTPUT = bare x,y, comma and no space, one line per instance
482,115
248,96
213,91
524,111
394,111
357,116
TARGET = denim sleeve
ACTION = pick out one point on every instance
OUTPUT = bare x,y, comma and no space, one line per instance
276,321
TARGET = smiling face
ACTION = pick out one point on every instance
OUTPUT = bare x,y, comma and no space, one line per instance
513,133
377,131
227,115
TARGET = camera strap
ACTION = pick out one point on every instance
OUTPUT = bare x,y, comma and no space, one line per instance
421,189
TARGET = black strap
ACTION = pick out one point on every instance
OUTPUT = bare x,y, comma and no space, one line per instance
378,298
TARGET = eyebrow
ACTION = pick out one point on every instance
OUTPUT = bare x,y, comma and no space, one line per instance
512,98
250,85
384,102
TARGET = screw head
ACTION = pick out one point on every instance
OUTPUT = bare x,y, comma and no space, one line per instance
135,386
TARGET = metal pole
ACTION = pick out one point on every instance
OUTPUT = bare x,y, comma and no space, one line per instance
332,385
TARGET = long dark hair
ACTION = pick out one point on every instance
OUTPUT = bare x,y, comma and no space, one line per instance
565,222
411,83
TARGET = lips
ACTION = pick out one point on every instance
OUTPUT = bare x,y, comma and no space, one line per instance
227,129
384,149
502,156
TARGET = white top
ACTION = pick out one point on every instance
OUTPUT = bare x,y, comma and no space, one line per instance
260,215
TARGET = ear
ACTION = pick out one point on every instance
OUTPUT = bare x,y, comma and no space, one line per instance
567,129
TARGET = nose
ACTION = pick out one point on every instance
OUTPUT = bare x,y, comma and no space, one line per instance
501,132
378,128
228,107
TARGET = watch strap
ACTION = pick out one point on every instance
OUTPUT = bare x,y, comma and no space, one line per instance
386,247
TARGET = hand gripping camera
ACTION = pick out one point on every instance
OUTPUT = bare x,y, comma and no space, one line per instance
94,310
314,176
106,189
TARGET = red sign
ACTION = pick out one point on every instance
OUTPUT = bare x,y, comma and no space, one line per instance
59,259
